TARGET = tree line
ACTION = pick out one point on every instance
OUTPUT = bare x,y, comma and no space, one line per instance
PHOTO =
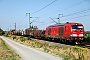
87,36
2,32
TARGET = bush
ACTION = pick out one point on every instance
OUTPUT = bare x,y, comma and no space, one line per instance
65,56
80,51
6,35
87,37
29,38
14,37
1,32
46,49
22,39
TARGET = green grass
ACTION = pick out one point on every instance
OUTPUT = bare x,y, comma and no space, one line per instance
6,53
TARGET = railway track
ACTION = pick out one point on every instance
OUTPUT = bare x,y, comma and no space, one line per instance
83,45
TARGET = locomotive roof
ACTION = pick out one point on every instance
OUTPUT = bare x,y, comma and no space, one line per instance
61,24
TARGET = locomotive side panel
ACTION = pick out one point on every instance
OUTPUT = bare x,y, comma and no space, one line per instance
48,31
54,31
67,31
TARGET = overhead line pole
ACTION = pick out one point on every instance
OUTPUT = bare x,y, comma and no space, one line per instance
15,27
29,19
59,18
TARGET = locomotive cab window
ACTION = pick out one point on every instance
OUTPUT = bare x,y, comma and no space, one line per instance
76,27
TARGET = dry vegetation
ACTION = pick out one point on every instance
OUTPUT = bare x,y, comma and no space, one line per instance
67,53
6,53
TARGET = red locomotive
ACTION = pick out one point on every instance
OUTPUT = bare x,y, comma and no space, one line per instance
66,32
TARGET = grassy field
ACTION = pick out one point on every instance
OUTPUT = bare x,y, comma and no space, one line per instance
6,53
65,52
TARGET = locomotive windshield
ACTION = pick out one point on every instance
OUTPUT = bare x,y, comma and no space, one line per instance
76,27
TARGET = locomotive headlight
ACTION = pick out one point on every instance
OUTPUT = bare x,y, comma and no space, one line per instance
81,35
76,24
71,35
74,34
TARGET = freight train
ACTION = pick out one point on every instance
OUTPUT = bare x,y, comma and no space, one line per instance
65,32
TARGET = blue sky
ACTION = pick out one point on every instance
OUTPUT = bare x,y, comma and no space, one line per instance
14,11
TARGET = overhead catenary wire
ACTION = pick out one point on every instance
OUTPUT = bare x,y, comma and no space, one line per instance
44,23
65,8
79,12
78,17
75,4
76,13
22,19
66,19
44,7
19,23
55,1
40,9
